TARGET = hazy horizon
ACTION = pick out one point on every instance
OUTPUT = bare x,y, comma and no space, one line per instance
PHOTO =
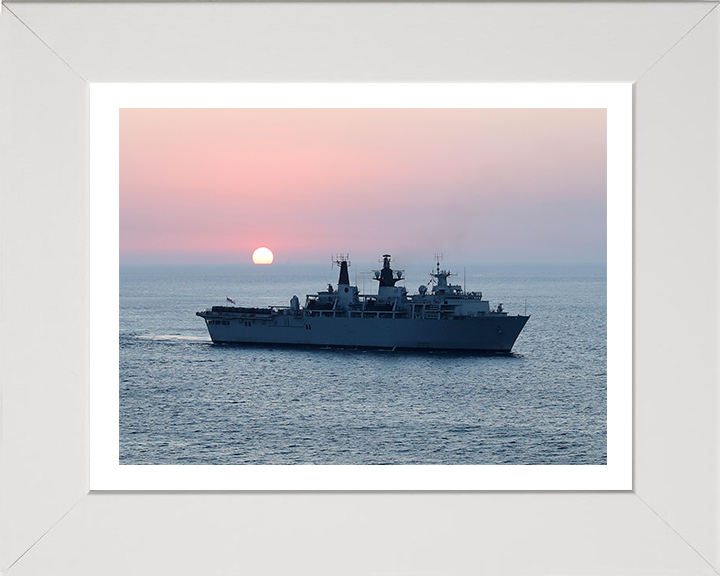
233,260
482,186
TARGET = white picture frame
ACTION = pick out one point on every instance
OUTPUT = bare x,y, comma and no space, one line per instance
668,523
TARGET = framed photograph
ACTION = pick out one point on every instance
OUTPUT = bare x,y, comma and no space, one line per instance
64,511
305,167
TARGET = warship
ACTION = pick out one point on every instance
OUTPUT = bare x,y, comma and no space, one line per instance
446,317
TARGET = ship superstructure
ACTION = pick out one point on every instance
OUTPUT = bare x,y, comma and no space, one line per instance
446,317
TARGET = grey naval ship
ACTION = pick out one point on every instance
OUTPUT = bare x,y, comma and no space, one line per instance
443,318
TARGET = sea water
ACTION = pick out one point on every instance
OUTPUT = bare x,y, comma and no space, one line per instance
185,400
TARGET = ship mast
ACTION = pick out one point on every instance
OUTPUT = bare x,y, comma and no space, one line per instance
342,260
441,276
387,276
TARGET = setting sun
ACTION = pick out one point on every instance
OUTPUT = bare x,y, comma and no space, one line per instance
263,256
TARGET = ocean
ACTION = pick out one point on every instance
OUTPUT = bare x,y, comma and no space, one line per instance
184,400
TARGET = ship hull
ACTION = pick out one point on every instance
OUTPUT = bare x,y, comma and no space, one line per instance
493,333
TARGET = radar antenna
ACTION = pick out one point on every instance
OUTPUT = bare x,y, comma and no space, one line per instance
338,259
438,258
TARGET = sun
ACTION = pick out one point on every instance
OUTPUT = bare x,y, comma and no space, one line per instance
263,256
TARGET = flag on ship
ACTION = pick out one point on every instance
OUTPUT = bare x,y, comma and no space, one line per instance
230,300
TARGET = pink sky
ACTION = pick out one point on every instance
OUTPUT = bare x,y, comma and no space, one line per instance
485,185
